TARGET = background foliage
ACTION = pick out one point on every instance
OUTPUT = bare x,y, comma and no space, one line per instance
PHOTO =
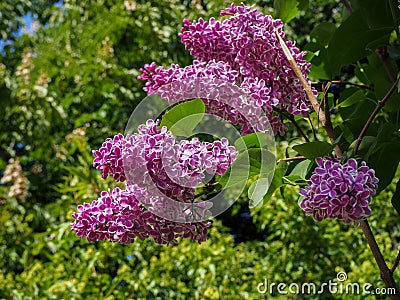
70,82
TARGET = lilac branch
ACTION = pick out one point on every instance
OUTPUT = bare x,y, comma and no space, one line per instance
384,57
326,123
326,105
346,3
396,263
343,82
386,274
292,158
362,86
374,113
305,137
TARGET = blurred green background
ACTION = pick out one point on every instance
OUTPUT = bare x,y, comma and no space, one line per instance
68,81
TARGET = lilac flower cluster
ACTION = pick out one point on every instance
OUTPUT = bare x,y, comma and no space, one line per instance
214,82
337,190
243,50
119,216
160,175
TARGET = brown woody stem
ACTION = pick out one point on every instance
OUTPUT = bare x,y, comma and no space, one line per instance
292,158
326,123
362,86
384,57
346,3
396,263
374,113
386,273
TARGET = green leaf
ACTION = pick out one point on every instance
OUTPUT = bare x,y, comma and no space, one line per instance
366,147
350,40
313,150
322,33
286,10
319,72
276,182
257,191
353,99
183,118
294,180
382,86
378,13
385,159
396,198
355,116
301,169
387,132
252,140
247,166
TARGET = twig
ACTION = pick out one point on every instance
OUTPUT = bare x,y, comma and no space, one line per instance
312,127
396,263
291,118
305,137
384,57
307,88
325,99
362,86
386,273
347,5
292,158
375,112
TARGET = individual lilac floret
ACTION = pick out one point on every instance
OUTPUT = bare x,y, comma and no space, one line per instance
337,190
119,216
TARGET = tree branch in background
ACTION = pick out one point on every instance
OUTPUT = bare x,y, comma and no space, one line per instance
375,112
291,118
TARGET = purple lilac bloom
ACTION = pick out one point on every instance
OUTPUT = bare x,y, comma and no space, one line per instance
215,83
247,41
156,153
160,175
339,190
243,50
119,216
